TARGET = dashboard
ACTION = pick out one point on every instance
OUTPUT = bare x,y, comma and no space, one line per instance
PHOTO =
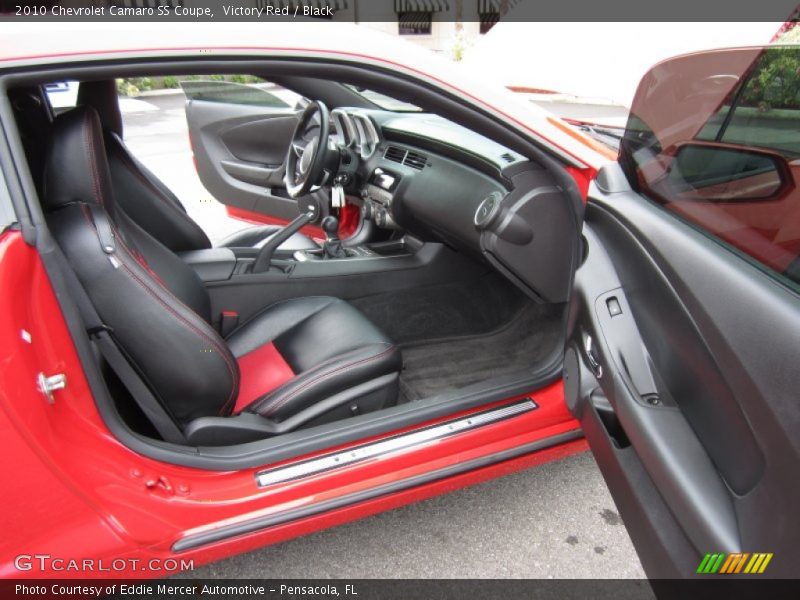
421,173
424,175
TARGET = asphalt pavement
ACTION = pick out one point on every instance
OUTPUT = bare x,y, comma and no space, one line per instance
555,521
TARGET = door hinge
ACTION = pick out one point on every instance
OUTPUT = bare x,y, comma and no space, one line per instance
48,385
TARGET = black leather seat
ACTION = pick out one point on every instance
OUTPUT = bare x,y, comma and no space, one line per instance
301,361
325,340
146,199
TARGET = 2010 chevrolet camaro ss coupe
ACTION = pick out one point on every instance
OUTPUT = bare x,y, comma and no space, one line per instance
440,284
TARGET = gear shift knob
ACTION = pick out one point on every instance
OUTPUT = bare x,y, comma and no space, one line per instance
330,225
332,248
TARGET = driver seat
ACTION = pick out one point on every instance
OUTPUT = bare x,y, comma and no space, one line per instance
300,362
149,202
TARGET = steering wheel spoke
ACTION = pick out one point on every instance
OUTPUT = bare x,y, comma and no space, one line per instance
308,159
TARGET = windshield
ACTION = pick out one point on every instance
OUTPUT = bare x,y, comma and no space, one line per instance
383,101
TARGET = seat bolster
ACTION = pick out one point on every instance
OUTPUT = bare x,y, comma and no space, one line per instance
328,378
150,203
275,320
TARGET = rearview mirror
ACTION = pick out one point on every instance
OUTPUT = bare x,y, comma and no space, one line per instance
716,172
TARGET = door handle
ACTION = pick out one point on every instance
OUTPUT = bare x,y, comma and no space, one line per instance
591,358
248,172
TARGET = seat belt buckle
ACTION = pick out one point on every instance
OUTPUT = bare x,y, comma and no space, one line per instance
228,322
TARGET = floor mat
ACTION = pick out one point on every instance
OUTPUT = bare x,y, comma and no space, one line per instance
476,306
523,343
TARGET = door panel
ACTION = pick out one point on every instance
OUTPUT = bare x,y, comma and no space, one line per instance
691,407
239,143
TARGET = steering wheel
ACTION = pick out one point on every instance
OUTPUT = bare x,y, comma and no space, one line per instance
306,161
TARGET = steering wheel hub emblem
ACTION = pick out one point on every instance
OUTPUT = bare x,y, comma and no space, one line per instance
307,155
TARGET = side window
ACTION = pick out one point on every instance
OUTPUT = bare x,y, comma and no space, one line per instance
238,89
231,89
763,111
736,174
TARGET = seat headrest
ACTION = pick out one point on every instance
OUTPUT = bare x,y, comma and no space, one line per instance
76,168
102,95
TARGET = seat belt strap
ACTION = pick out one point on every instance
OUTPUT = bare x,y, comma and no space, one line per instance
105,233
147,402
101,336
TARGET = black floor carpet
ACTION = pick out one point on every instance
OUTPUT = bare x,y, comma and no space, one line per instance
524,342
470,307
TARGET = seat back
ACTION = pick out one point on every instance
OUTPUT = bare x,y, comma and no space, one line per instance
155,304
143,197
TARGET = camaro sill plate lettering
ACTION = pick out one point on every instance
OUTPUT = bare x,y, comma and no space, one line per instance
399,443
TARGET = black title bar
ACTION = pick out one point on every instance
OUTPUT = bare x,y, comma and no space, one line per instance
355,11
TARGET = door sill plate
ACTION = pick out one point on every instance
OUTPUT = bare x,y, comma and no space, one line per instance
403,442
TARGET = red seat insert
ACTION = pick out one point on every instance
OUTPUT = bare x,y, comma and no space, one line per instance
262,370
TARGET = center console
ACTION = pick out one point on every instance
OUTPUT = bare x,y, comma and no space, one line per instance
226,264
403,246
214,264
237,293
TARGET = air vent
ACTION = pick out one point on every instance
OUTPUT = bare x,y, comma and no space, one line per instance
415,161
395,154
508,157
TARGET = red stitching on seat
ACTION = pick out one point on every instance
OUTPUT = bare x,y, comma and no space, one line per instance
152,293
180,318
275,404
89,150
138,256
